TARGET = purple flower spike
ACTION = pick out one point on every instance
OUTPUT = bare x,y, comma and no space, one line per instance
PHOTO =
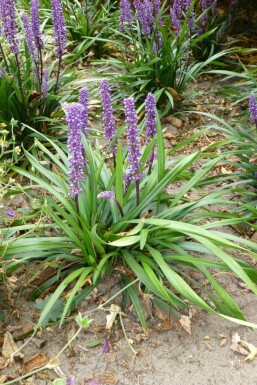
150,116
150,123
59,27
106,195
134,154
29,35
83,96
105,346
9,25
110,195
156,7
108,113
83,99
125,13
253,108
10,213
35,22
75,116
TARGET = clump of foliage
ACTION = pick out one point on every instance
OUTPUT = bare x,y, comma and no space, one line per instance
30,83
110,211
88,24
156,48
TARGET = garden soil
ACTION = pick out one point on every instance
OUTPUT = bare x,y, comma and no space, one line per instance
198,349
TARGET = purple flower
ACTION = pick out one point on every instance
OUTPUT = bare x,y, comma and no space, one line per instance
59,27
253,108
9,25
29,35
150,123
10,213
108,113
106,195
45,88
205,4
156,7
181,7
83,99
35,22
105,346
150,116
125,13
144,12
93,382
1,74
110,195
133,142
75,117
175,14
70,381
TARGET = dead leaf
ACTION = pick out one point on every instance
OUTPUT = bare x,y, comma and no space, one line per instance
167,324
4,378
161,313
36,362
176,122
110,318
147,305
169,136
108,378
252,349
185,322
174,94
9,348
236,347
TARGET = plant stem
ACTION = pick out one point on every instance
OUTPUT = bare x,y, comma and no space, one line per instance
4,58
119,206
20,82
58,75
137,191
68,343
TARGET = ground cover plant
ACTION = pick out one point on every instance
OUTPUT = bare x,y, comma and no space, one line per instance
107,195
120,214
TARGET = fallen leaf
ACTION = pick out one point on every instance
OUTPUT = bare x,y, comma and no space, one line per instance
185,322
236,347
36,362
176,122
110,318
4,378
167,324
169,136
9,348
252,349
174,94
108,378
147,305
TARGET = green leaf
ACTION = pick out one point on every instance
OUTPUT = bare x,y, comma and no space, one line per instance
126,241
55,313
